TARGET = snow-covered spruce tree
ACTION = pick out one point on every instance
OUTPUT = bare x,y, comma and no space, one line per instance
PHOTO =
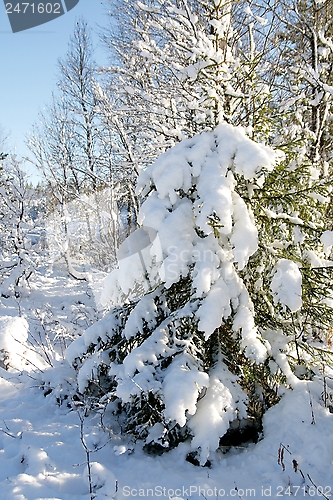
181,330
286,279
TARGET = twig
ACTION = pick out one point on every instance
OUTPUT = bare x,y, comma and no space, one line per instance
281,449
87,452
8,433
318,489
313,421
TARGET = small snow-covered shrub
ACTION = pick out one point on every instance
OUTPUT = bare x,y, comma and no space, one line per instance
99,478
17,352
183,352
21,229
13,346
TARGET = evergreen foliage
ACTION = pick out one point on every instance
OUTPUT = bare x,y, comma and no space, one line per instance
190,322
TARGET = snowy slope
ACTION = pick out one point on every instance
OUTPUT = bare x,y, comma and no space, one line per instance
41,452
41,455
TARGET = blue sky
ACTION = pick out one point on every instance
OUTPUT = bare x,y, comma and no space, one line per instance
28,66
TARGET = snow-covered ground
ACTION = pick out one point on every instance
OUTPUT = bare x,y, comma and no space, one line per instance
42,443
